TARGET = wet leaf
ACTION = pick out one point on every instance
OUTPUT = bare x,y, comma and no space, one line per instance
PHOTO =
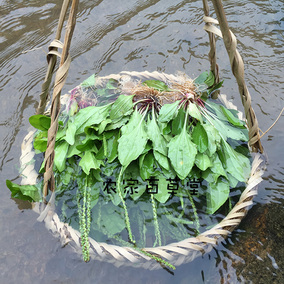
162,160
133,140
89,116
70,132
89,82
235,163
89,162
182,152
231,118
146,165
40,141
60,156
202,161
201,78
213,138
178,122
200,138
163,195
224,128
24,192
158,85
217,194
41,122
168,112
121,107
217,168
194,111
209,81
112,146
154,134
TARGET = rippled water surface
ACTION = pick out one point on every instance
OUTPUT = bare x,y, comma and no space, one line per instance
162,35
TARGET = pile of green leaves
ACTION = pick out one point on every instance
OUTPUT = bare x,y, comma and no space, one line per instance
183,140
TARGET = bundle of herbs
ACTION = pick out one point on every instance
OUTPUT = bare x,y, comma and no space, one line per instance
130,163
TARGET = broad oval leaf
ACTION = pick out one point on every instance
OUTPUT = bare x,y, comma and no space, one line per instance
158,85
121,107
41,122
162,160
202,161
154,134
182,152
24,192
146,165
213,138
235,163
163,194
132,141
178,122
231,118
60,155
168,112
200,138
217,194
89,162
194,111
89,116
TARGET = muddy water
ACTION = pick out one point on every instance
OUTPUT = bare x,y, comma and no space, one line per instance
167,36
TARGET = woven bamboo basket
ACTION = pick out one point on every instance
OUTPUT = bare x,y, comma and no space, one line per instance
179,252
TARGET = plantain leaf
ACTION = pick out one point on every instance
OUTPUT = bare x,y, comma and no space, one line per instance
133,139
89,116
217,194
202,161
200,138
39,121
217,168
70,132
89,162
158,85
178,122
194,111
155,135
213,138
182,152
231,118
121,107
163,194
224,128
168,112
146,165
162,160
24,192
235,163
89,82
60,155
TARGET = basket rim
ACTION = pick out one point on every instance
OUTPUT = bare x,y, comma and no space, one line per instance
176,253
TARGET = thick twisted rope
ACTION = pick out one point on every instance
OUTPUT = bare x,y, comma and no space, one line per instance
51,60
60,79
212,52
237,66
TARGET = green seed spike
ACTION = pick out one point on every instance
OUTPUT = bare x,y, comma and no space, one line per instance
127,222
197,224
157,229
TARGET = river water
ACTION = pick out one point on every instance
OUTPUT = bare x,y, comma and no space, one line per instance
163,35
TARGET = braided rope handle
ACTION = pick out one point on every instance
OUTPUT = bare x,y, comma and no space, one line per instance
237,66
212,52
60,78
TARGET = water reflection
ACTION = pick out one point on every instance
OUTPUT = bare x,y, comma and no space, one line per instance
112,36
